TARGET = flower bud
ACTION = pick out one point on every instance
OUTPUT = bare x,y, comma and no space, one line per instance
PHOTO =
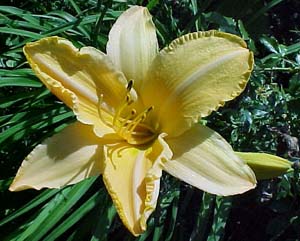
264,165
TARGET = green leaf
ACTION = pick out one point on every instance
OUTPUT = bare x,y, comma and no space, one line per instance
106,216
37,201
57,207
263,10
36,122
19,81
152,3
271,44
221,212
202,228
4,184
20,32
93,202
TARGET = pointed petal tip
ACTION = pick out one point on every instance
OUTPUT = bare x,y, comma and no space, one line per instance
139,170
134,230
251,185
248,181
55,162
16,187
206,161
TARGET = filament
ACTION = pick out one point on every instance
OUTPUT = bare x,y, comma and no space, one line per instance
125,120
100,113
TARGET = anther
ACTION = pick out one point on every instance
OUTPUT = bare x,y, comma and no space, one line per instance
129,85
149,109
128,100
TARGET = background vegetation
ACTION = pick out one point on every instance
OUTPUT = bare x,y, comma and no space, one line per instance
262,119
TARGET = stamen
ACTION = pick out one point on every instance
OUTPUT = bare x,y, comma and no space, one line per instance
126,120
142,118
100,112
128,130
128,102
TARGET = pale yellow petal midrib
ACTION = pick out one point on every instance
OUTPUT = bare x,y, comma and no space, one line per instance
192,78
68,83
136,178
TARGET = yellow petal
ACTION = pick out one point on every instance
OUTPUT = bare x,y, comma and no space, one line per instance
77,77
132,177
264,165
66,158
195,75
202,158
133,44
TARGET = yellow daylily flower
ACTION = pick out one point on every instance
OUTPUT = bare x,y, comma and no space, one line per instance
137,109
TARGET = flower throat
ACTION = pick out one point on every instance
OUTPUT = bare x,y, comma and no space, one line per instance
127,123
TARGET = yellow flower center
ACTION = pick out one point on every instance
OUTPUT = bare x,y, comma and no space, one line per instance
127,123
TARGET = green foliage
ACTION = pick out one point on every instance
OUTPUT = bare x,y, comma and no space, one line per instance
29,114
